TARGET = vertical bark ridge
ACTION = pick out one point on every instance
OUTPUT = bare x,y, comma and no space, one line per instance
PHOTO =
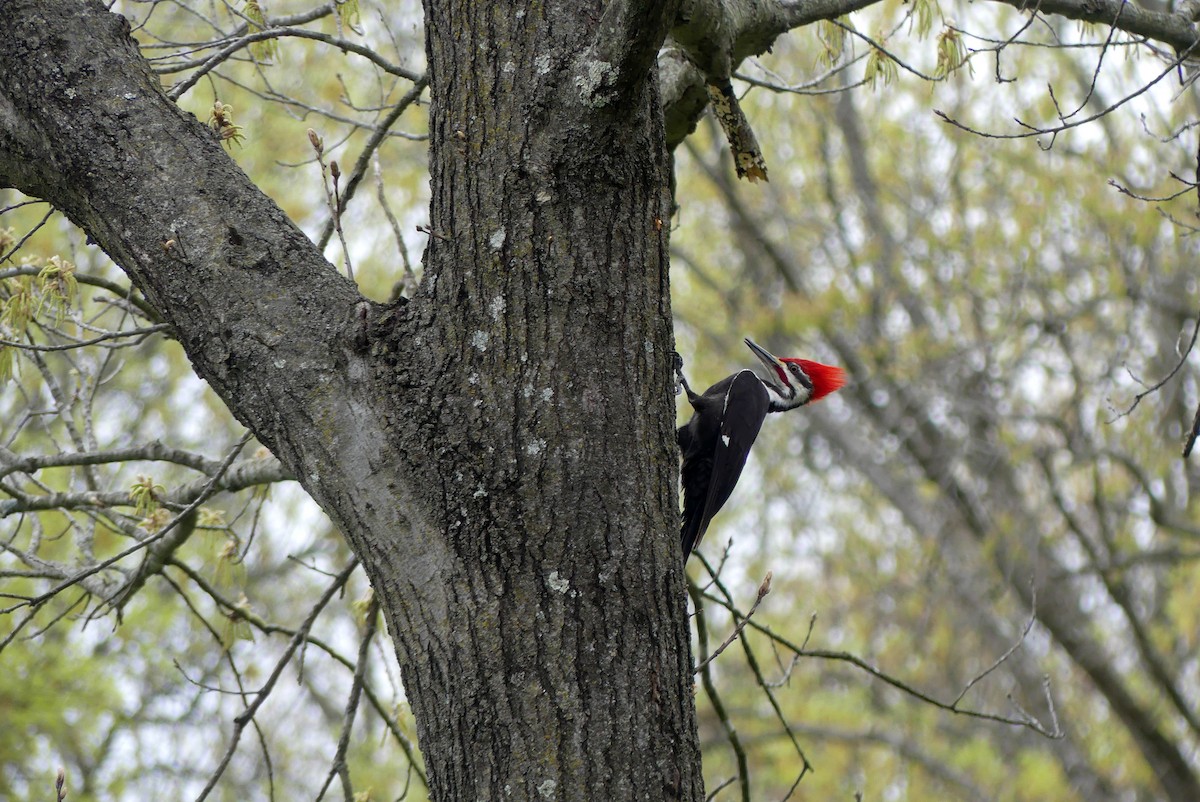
541,336
499,451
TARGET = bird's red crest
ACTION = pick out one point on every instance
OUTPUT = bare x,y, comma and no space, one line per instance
826,379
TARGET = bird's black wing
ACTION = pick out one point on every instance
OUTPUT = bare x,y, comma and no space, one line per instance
744,407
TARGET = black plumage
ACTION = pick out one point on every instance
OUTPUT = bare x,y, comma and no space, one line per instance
715,444
716,441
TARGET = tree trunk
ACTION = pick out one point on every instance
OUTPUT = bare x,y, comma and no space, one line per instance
542,334
499,451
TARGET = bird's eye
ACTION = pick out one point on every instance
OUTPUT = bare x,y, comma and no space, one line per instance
801,377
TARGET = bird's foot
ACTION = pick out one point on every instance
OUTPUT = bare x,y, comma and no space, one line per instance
677,363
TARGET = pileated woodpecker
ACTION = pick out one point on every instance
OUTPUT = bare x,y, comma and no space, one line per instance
717,440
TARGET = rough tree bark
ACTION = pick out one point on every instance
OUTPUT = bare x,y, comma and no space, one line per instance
499,451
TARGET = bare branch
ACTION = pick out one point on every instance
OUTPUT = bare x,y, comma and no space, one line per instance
824,654
112,335
372,145
243,42
752,662
247,715
1192,435
728,781
150,452
1176,30
339,767
1004,657
1053,131
211,487
763,590
710,688
246,473
1158,385
241,613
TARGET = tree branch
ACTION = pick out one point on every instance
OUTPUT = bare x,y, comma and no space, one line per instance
377,704
711,38
212,62
710,688
1024,719
259,310
206,491
378,135
625,45
1176,30
717,36
246,473
357,684
155,451
247,715
763,590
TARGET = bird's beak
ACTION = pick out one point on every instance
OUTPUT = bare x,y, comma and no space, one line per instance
775,371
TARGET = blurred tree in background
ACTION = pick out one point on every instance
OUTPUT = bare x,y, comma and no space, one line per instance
984,550
1003,308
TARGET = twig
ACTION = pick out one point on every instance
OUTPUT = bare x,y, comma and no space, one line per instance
710,689
243,718
274,33
360,672
756,669
410,278
856,661
268,628
432,233
1000,660
19,204
21,242
763,590
373,143
1195,433
331,195
237,677
112,335
1034,131
1124,190
728,781
1156,387
887,53
204,495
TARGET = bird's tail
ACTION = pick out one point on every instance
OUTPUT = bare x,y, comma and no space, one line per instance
690,532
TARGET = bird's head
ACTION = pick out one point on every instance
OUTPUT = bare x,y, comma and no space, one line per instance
795,382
